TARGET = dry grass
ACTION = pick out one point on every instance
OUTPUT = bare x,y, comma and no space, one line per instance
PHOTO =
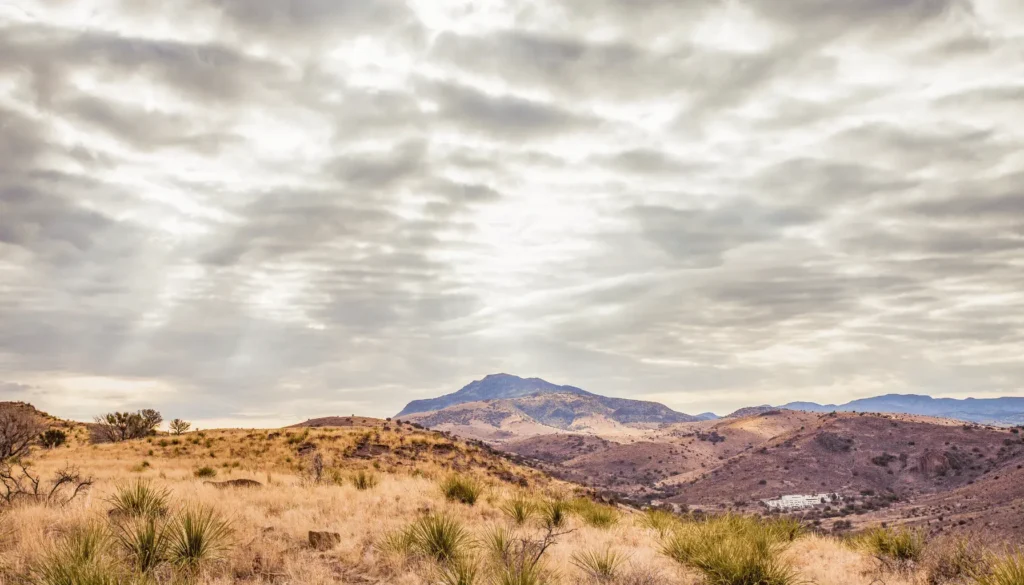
269,525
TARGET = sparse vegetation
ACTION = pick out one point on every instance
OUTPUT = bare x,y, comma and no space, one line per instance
1007,570
461,488
733,550
519,508
364,480
139,499
53,438
179,427
603,566
205,472
894,547
595,514
125,426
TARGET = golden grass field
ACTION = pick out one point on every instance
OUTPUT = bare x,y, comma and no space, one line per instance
270,524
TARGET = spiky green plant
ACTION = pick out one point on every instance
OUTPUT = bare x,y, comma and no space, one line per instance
461,488
519,508
138,499
143,541
498,540
659,521
595,514
439,536
892,544
731,550
555,513
1007,570
197,536
520,574
601,565
461,571
80,558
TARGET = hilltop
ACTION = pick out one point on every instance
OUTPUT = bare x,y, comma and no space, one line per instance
999,411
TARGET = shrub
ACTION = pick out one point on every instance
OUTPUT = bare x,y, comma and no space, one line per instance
519,508
955,562
53,438
197,536
123,426
80,558
731,550
461,571
888,544
179,427
595,514
439,537
602,566
659,521
459,488
205,471
139,499
1008,570
143,541
554,513
364,480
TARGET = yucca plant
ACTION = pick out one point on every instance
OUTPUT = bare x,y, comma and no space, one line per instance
80,558
659,521
498,540
555,513
460,488
460,571
595,514
144,542
602,566
197,536
1008,570
731,550
138,499
520,575
364,480
519,508
889,544
439,537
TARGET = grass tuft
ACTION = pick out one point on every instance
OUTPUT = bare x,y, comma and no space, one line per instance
519,508
461,488
197,537
80,558
205,472
139,499
555,513
890,544
732,550
1007,570
439,537
144,543
603,566
595,514
365,480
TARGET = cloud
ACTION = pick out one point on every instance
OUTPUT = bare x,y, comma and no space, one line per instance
311,205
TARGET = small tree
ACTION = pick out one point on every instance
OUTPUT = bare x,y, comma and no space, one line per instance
122,426
53,438
17,432
179,427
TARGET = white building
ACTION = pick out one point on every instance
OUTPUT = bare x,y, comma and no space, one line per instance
798,501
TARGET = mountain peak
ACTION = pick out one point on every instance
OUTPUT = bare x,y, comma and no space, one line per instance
490,387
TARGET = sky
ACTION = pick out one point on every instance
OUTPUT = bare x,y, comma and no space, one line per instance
252,212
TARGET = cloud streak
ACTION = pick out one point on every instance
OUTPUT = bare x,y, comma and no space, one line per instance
307,206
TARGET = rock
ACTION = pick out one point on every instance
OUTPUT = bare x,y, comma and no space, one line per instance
239,483
323,540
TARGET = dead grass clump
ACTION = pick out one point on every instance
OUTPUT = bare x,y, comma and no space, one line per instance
958,562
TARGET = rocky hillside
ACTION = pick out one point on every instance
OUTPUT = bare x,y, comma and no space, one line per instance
996,411
502,407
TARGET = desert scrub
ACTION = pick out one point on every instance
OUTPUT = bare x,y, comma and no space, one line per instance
1008,570
439,537
659,521
461,488
364,480
80,558
603,566
555,513
731,550
205,472
595,514
197,536
960,561
890,545
143,541
139,499
519,508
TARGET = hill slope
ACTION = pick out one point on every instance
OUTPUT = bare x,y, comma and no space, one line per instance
1002,411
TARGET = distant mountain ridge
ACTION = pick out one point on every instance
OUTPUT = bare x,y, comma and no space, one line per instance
491,387
999,411
500,400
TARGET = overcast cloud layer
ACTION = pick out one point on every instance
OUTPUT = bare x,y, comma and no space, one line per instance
255,211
